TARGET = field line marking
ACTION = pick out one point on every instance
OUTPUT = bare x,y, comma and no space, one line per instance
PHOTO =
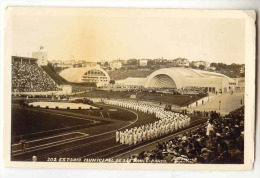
100,151
76,117
78,146
126,110
45,138
52,130
51,143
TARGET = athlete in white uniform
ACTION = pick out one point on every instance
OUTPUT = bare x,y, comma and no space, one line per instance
168,122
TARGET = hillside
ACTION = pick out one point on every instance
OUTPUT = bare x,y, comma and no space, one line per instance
123,74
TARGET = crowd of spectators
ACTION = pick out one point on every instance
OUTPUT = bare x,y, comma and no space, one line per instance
120,88
219,141
191,90
29,77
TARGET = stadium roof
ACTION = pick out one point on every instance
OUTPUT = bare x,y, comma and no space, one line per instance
75,75
177,77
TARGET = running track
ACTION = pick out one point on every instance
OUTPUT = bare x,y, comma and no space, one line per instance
100,145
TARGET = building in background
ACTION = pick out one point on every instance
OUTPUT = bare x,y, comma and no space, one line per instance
242,69
240,84
24,59
116,64
181,62
143,62
41,58
179,78
200,63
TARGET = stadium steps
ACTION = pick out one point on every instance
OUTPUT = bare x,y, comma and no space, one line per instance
54,75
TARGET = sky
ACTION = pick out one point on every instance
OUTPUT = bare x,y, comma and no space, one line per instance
108,34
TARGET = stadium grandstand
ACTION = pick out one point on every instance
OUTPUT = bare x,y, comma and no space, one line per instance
27,76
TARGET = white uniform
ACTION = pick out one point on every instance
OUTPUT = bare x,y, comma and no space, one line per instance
117,136
130,139
168,122
135,138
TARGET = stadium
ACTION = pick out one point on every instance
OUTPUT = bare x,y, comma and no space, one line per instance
174,115
184,77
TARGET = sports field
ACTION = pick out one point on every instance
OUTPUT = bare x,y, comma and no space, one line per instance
31,121
178,100
72,133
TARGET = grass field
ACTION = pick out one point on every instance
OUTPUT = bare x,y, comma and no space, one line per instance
31,120
179,100
107,112
32,123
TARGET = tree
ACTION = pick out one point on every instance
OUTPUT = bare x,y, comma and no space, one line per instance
150,63
112,82
213,64
201,67
221,66
193,66
132,62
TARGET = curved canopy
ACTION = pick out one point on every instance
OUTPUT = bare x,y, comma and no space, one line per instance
182,77
79,75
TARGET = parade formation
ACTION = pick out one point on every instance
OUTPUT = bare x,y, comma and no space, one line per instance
167,123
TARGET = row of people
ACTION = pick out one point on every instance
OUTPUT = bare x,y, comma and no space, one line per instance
191,90
118,87
167,123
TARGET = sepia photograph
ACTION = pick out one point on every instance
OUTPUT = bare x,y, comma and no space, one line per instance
128,88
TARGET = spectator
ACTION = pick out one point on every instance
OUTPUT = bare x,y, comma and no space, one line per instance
29,77
220,141
210,127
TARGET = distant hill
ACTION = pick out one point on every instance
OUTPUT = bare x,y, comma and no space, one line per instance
123,74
